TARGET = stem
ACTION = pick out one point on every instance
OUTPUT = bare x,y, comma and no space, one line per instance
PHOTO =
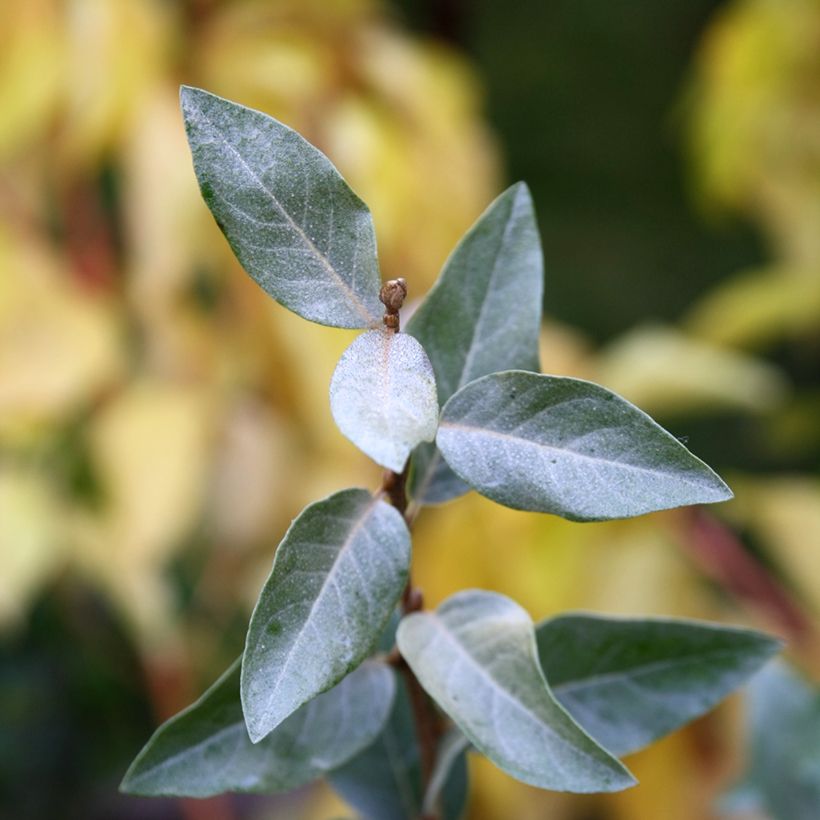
425,718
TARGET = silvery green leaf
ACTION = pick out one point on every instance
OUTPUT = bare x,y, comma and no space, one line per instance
205,749
291,219
630,682
482,315
783,716
383,396
476,657
336,579
383,782
568,447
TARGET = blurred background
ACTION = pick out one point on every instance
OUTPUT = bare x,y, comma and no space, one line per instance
161,420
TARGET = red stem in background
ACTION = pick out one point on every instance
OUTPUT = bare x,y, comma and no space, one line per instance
721,555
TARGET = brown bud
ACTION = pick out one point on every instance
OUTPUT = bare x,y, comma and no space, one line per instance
392,294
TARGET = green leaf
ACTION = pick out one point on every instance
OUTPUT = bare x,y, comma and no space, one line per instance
450,753
568,447
336,578
383,396
384,781
784,726
291,219
630,682
482,315
476,657
205,749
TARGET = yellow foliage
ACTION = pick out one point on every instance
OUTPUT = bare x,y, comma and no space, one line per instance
665,373
31,544
149,446
756,122
58,344
30,70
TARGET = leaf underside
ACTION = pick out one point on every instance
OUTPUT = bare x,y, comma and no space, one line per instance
568,447
482,315
289,217
383,396
630,682
336,579
476,657
205,750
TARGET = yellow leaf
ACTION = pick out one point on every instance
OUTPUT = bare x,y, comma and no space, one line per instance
30,71
758,308
150,446
30,539
59,345
665,372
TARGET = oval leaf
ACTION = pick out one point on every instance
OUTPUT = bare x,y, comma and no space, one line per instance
568,447
383,396
630,682
476,657
205,749
482,315
383,782
336,578
291,219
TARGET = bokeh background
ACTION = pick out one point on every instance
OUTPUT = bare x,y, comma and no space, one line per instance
161,420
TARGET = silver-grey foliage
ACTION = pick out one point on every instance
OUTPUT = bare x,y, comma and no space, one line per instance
205,749
305,702
383,396
476,656
782,781
568,447
383,782
629,682
336,579
482,315
291,219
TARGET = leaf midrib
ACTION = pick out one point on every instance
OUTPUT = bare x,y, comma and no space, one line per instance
354,298
281,676
217,736
473,346
487,431
599,679
444,630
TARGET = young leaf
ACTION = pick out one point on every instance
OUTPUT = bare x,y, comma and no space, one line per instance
482,315
383,396
384,781
336,578
476,657
568,447
205,749
784,726
630,682
291,219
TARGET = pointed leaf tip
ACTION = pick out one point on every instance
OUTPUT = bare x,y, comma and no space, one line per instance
292,221
568,447
629,682
481,316
205,749
336,579
476,657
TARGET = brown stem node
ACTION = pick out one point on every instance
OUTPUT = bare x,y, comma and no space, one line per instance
392,296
